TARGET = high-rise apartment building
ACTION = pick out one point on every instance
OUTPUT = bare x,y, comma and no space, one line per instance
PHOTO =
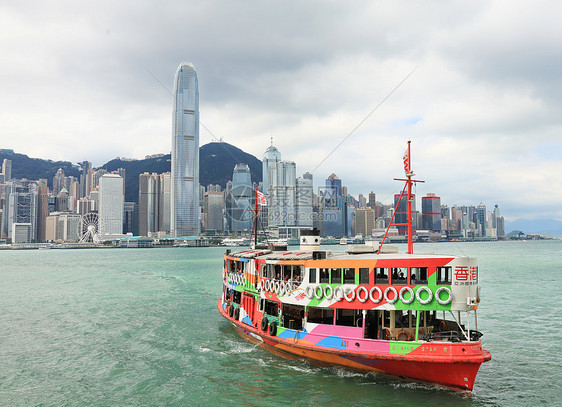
110,217
185,153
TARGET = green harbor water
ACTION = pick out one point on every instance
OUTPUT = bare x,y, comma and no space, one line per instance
139,327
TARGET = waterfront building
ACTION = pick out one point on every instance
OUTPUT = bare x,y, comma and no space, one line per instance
110,217
62,227
130,218
213,213
431,213
149,203
364,221
185,153
22,206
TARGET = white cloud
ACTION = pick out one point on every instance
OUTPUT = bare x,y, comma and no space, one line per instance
482,108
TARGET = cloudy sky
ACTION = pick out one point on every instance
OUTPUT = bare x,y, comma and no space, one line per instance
482,102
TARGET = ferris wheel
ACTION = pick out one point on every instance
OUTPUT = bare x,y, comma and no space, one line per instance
88,228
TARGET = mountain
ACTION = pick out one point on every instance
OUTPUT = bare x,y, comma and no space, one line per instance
216,164
36,168
548,227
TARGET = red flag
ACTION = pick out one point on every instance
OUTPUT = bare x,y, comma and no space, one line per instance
406,161
261,199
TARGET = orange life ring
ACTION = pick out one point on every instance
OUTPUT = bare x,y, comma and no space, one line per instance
408,337
387,331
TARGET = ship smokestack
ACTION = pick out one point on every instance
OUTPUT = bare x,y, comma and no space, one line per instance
310,240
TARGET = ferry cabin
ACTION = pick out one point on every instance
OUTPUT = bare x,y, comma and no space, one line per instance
356,295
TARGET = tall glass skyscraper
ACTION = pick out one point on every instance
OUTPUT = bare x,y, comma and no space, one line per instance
185,153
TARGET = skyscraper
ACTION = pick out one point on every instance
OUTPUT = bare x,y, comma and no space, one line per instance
111,205
431,212
185,153
240,199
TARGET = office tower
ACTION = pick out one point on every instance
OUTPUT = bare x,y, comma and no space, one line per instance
333,189
481,219
271,158
362,201
58,181
239,199
110,217
372,200
213,214
185,153
130,218
431,212
401,216
164,214
22,205
7,169
62,227
86,206
282,195
61,202
303,205
42,208
149,193
85,168
364,221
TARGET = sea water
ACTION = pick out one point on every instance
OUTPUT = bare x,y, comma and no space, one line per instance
118,327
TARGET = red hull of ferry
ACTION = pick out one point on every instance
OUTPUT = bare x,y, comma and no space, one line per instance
455,371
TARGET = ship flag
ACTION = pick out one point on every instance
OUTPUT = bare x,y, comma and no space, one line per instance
261,199
407,161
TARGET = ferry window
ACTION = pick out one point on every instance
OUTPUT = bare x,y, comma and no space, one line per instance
312,276
236,297
418,275
277,270
286,272
399,275
443,275
336,276
271,308
422,318
324,275
349,317
320,315
381,275
402,319
349,276
297,273
263,270
363,275
386,319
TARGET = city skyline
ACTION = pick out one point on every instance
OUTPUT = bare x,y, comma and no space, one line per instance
480,106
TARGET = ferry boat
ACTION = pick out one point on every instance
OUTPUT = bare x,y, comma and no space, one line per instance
369,308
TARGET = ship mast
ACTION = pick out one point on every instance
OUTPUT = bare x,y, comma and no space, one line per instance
408,184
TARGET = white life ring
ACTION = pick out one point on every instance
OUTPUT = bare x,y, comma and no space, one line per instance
429,295
289,287
267,285
347,294
339,293
309,292
331,295
386,295
377,289
401,295
318,297
277,287
366,297
449,295
261,285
